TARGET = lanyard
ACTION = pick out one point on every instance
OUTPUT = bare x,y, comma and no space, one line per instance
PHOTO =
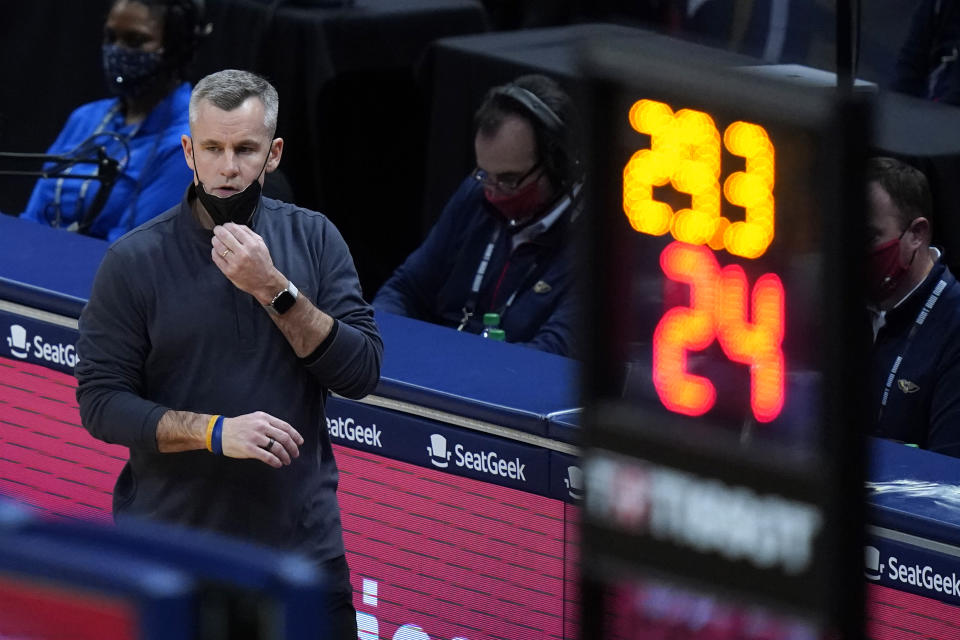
470,305
471,302
917,323
81,196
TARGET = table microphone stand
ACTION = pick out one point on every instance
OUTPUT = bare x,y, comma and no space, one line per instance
106,173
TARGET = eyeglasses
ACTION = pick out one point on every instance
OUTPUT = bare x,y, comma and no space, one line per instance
503,181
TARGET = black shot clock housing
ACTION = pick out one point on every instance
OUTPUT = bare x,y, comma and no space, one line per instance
723,441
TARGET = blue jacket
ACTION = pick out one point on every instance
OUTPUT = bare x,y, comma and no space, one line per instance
923,404
153,173
434,283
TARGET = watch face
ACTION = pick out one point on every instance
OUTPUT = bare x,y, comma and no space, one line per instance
283,301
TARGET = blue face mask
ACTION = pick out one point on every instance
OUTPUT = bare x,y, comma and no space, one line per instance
130,72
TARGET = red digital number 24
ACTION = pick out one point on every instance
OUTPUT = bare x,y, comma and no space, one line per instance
749,331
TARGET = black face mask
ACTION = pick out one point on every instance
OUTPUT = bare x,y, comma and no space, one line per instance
239,207
131,72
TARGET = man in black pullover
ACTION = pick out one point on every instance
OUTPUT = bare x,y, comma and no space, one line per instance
212,337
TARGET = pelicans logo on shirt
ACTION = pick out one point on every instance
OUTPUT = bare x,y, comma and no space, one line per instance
907,386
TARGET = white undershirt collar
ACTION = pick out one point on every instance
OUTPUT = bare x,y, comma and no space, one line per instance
543,224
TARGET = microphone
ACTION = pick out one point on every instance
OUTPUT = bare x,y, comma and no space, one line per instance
87,152
107,171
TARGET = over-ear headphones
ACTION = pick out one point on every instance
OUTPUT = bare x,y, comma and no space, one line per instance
183,29
550,111
537,107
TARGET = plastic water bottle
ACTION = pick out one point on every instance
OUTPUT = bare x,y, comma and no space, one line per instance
490,321
496,334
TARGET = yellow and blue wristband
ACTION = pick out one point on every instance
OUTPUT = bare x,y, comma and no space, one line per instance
215,435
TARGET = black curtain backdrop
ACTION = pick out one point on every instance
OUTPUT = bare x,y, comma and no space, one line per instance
51,64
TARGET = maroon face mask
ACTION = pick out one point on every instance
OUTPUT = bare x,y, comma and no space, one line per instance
520,205
884,269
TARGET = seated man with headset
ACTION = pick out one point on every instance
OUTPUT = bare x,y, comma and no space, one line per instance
502,243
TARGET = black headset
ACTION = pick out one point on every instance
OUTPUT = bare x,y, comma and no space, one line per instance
183,30
537,107
551,132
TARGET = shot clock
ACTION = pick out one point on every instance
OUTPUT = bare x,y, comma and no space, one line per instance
722,438
747,322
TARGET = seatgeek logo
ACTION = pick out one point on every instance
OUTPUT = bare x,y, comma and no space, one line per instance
22,347
488,462
915,575
348,429
574,482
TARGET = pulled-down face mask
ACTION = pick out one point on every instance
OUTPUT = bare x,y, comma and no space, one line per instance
239,207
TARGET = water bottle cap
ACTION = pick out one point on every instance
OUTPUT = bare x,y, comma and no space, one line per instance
491,319
497,334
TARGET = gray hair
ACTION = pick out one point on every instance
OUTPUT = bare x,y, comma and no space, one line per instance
228,89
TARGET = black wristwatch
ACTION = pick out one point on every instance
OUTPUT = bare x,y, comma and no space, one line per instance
282,302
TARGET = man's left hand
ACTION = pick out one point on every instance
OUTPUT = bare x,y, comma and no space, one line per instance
243,257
